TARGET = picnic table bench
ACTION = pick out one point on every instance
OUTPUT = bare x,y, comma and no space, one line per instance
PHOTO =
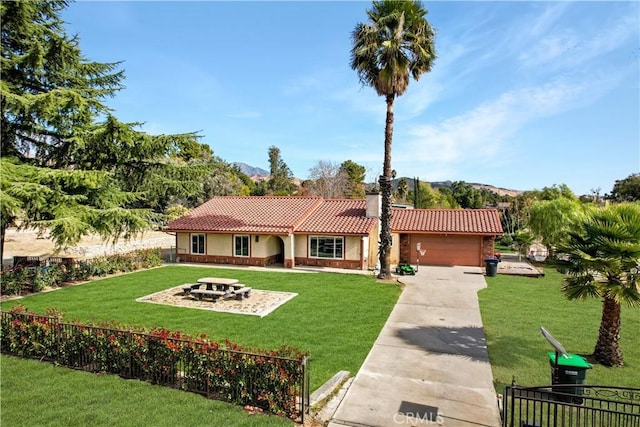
242,292
217,288
188,287
202,293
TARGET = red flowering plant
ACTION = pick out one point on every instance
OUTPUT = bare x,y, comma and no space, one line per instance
163,354
272,380
29,335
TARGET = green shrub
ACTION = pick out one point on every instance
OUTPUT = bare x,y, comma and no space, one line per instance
35,279
506,240
12,282
272,380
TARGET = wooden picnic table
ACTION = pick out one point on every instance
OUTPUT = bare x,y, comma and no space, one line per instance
217,283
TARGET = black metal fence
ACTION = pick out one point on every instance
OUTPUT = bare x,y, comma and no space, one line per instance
592,406
272,382
41,261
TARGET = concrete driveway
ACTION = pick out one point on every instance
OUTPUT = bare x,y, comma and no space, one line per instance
429,365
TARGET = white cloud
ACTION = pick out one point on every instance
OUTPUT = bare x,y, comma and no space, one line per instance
480,133
568,47
546,20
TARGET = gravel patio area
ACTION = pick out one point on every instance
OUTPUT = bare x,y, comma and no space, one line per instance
260,303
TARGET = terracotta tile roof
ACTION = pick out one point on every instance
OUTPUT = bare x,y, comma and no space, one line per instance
284,215
338,217
278,215
474,221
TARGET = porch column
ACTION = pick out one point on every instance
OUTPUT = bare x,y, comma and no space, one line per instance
289,251
364,252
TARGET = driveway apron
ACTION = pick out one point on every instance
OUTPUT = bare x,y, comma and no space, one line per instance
429,365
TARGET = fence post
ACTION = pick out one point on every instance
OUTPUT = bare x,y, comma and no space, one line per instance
511,394
305,387
58,338
129,366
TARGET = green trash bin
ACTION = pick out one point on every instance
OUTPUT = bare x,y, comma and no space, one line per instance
492,266
571,372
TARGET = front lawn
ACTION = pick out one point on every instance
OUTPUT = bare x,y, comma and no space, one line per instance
41,394
513,310
335,318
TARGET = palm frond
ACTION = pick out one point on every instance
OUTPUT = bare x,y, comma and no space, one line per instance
397,43
602,258
581,287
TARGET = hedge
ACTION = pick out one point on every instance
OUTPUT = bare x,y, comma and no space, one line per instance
35,279
276,380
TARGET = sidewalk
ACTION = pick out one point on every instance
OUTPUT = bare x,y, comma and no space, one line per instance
429,365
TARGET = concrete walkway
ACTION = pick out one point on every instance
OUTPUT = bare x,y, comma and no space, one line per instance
429,365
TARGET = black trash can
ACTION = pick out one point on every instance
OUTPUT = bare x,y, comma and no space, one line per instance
492,266
571,372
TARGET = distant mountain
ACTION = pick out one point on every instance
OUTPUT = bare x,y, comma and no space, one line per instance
259,174
447,184
498,190
250,170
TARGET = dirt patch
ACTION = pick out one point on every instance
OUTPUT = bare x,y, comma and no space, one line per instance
31,243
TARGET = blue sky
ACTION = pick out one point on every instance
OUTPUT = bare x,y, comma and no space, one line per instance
523,94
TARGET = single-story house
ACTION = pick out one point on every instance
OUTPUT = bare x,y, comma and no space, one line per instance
332,233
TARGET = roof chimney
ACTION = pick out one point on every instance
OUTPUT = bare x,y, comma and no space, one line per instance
374,205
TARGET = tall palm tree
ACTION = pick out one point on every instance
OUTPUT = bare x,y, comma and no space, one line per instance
602,261
396,42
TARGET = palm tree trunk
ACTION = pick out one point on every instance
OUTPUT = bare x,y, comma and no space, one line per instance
607,351
3,230
385,188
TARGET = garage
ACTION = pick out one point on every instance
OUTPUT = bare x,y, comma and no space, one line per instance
447,236
446,249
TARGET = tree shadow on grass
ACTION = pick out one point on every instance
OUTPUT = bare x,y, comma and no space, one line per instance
469,342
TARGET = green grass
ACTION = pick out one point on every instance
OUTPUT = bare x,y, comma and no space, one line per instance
335,317
499,247
41,394
513,309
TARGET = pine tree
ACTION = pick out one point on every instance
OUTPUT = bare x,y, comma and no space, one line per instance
280,183
69,167
49,90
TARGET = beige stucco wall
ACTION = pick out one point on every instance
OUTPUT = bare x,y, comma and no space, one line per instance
395,248
219,244
183,243
352,247
373,246
300,245
266,246
373,249
366,250
222,244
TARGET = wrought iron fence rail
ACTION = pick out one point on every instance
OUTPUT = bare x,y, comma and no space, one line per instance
231,375
590,406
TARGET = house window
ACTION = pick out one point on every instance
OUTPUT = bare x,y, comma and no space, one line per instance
326,247
197,244
241,245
